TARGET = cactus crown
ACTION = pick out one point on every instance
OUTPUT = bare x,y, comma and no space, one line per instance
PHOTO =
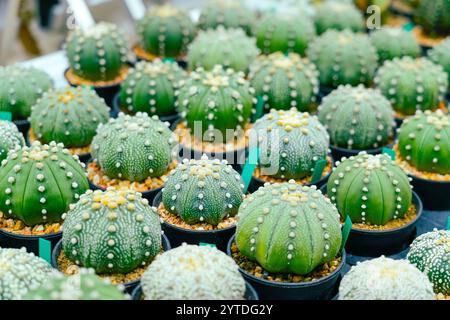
338,15
10,138
440,54
434,16
394,43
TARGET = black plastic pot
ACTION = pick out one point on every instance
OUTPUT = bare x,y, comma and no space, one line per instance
435,195
338,153
399,121
178,235
23,125
31,243
323,289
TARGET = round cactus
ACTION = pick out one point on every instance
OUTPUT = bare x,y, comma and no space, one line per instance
98,53
38,183
440,54
288,228
424,141
20,272
99,227
434,16
69,116
227,47
394,43
10,138
430,253
357,118
166,31
385,279
193,273
133,147
343,57
285,81
358,183
20,88
339,16
151,88
291,143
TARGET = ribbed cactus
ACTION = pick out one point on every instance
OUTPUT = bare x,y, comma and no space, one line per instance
38,183
20,88
150,87
412,84
394,43
357,118
430,253
291,142
98,53
358,183
338,15
20,272
111,231
193,273
70,116
343,57
434,16
440,54
424,141
288,228
10,138
385,279
230,48
285,81
133,147
166,31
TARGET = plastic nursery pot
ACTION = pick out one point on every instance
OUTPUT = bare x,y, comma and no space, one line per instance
338,153
23,125
322,289
178,235
435,195
31,243
129,286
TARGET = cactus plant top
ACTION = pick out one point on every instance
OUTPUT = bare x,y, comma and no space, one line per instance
338,15
440,54
10,138
394,43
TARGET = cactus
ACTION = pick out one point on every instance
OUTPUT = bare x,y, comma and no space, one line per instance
430,253
166,31
230,48
357,118
285,81
111,231
385,279
424,141
440,54
343,57
133,147
191,272
434,16
339,16
10,138
394,43
412,84
219,99
38,183
69,116
20,272
288,228
295,142
20,88
151,88
358,183
98,53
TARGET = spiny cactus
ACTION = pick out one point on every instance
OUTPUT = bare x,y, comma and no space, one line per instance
151,88
440,54
430,253
424,141
385,279
20,272
230,48
285,81
133,147
166,31
343,57
191,272
294,142
358,183
20,88
288,228
338,15
434,16
394,43
412,84
357,118
38,183
98,53
10,138
111,231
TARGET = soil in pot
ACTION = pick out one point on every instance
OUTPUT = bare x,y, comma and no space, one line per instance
399,117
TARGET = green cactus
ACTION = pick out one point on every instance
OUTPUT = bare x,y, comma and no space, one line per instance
111,231
385,279
394,43
440,54
20,88
191,272
151,88
133,147
434,16
357,118
230,48
38,183
285,81
424,141
339,16
10,138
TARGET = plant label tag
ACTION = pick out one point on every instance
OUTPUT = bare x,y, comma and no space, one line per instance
169,60
136,8
346,231
318,170
81,12
448,223
204,244
5,115
389,152
45,250
408,26
249,167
